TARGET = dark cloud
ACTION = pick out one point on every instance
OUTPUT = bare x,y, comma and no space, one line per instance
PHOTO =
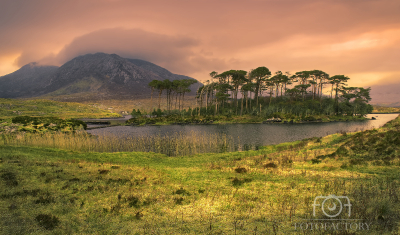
178,53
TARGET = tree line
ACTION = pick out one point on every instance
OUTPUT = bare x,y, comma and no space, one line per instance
224,87
264,93
174,89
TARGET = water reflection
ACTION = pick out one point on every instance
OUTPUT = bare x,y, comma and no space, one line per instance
250,136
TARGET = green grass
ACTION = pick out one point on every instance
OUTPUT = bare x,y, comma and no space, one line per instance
221,119
85,85
62,191
382,109
39,107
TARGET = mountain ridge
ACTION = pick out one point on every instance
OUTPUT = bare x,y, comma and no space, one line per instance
98,75
26,81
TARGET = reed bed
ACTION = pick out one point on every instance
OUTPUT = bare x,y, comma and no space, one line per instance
177,144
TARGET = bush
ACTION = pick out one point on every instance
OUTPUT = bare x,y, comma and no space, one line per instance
48,222
40,124
136,113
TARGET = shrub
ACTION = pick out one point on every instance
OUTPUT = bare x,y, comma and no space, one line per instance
47,221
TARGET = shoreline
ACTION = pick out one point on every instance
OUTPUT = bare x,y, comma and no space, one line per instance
226,123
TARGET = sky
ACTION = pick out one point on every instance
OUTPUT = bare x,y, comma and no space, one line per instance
356,38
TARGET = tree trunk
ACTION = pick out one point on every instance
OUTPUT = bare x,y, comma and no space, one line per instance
201,103
321,90
179,106
159,99
212,96
256,94
336,99
236,93
172,99
216,106
247,108
250,100
241,109
176,99
151,100
167,100
206,100
270,95
183,100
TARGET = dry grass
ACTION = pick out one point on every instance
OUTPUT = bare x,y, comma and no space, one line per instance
145,104
161,196
40,107
178,144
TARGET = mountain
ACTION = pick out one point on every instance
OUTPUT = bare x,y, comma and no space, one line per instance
28,81
164,74
386,95
160,71
108,76
91,76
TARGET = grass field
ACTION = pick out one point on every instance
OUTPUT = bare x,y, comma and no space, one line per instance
144,104
269,191
382,109
38,107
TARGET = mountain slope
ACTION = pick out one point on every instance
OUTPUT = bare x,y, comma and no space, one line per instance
91,76
164,73
28,81
386,95
109,76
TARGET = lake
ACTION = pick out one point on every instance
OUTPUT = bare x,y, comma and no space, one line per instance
253,134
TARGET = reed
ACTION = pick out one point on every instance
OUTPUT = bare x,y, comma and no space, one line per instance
177,144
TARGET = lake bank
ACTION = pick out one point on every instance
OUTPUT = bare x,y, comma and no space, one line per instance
210,120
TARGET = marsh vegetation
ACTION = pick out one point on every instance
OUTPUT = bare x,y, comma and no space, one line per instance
177,144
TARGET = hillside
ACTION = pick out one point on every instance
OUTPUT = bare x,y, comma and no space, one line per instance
385,109
164,73
386,95
28,81
104,75
17,107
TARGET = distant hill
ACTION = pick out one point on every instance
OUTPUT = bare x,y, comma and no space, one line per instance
28,81
91,76
160,71
386,95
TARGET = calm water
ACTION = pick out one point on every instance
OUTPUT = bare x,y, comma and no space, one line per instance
254,134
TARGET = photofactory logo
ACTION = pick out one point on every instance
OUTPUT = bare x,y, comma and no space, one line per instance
329,203
332,206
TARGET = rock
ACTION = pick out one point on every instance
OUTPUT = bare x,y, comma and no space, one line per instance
271,120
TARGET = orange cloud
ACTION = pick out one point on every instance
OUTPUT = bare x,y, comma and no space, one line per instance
358,37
